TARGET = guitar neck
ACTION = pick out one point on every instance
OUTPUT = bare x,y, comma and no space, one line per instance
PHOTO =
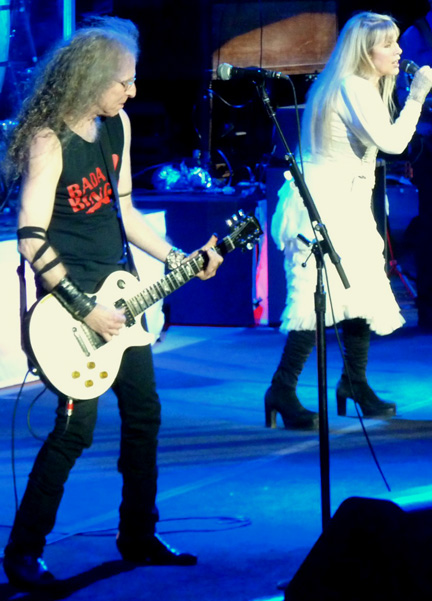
172,281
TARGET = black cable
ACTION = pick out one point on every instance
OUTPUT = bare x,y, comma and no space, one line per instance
14,413
360,417
37,397
335,325
226,522
228,164
222,99
296,108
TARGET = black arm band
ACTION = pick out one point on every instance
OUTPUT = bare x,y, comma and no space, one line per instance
40,233
31,231
73,299
47,267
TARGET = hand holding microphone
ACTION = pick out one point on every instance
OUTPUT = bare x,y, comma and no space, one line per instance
422,81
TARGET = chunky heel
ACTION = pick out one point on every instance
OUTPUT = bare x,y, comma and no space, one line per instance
294,416
362,394
270,417
341,404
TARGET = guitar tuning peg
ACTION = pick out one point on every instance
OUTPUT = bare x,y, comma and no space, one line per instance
229,223
234,217
241,213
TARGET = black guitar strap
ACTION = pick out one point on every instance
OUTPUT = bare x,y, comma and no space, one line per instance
23,314
108,158
22,295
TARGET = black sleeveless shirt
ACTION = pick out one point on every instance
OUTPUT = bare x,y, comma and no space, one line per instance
85,228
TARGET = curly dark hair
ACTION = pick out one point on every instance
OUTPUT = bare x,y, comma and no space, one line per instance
69,82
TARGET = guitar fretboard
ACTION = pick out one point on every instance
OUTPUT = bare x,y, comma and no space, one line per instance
171,282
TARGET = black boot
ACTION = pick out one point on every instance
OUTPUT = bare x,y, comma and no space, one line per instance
27,572
152,550
356,337
281,397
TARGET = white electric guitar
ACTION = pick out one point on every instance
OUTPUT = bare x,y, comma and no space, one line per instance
73,359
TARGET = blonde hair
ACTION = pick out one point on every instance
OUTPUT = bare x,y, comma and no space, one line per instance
351,56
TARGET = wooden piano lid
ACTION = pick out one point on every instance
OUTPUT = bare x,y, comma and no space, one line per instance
297,44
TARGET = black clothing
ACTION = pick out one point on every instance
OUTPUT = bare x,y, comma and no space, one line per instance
140,414
416,43
84,228
88,237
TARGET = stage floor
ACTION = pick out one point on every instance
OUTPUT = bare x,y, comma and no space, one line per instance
245,498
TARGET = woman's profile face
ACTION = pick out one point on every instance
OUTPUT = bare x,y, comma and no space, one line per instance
385,57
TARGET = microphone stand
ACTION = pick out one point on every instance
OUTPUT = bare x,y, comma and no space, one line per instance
319,248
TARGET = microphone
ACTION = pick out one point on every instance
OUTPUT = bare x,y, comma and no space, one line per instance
226,71
409,67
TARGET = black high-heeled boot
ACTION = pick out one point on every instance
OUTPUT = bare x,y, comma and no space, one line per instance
285,402
362,394
281,397
356,338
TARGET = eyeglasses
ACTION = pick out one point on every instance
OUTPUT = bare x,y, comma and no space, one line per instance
128,83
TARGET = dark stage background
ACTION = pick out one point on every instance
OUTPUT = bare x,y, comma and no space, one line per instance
173,114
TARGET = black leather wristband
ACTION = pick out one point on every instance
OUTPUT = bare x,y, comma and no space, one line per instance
73,299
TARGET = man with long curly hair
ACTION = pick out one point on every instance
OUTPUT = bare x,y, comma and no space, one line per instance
73,133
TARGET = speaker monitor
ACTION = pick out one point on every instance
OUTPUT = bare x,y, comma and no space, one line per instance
371,550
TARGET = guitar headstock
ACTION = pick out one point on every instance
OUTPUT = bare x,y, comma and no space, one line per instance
245,231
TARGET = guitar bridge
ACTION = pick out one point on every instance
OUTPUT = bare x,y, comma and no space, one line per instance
122,304
95,340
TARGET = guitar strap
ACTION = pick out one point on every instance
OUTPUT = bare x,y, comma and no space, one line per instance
107,154
23,314
22,294
106,148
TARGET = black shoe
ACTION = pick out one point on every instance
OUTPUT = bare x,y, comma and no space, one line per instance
284,401
362,394
26,572
152,551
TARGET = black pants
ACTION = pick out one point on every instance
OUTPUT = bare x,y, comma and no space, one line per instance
139,408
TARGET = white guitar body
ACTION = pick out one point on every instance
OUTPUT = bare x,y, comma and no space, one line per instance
64,351
76,361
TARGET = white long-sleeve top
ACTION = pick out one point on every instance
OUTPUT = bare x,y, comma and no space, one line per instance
341,182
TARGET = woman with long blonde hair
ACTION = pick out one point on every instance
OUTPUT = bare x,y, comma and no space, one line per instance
349,116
